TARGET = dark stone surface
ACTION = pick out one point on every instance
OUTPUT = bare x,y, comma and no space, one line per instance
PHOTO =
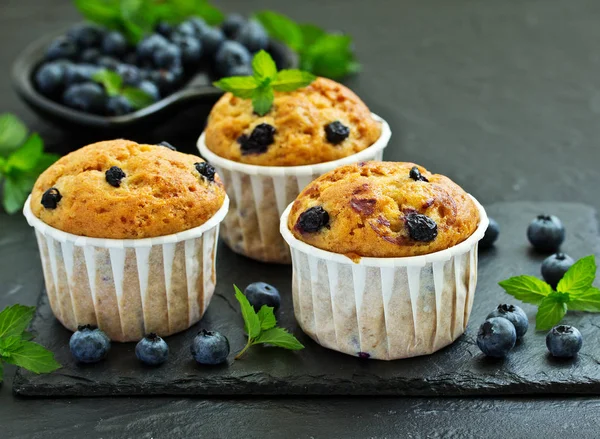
460,369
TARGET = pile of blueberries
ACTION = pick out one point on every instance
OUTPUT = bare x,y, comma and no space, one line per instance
91,345
159,64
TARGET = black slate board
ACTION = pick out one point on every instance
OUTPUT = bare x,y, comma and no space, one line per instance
459,369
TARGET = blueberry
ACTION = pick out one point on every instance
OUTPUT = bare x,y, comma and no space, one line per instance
253,36
190,48
554,268
336,132
130,58
78,73
165,80
232,24
415,174
90,55
50,78
61,48
118,106
261,293
150,88
199,25
114,44
50,198
167,145
108,62
491,235
259,140
164,28
114,175
313,220
89,345
211,40
513,314
421,227
244,70
130,74
564,341
231,54
496,337
206,170
210,347
150,44
546,233
86,35
152,350
167,57
88,97
186,28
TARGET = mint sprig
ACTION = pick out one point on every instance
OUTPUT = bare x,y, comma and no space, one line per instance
15,347
320,52
113,84
22,160
574,292
262,328
264,81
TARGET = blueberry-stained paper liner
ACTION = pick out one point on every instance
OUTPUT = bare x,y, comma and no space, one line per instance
129,287
384,308
259,195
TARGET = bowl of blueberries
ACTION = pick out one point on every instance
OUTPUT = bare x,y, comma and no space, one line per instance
173,68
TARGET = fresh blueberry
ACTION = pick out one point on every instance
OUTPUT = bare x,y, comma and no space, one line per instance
185,28
50,78
253,36
164,28
336,132
167,145
130,58
50,198
206,170
212,40
167,57
88,97
61,48
546,233
415,174
150,88
496,337
190,48
149,45
89,345
564,341
261,293
165,80
421,227
513,314
152,350
199,25
231,54
114,44
78,73
555,266
491,235
86,35
210,347
232,24
90,55
244,70
108,62
312,220
130,74
118,106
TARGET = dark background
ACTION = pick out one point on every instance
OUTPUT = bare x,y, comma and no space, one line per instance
502,96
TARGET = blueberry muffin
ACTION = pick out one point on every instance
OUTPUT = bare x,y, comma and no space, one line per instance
124,190
320,123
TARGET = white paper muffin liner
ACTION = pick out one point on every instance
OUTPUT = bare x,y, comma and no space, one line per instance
129,287
259,195
386,308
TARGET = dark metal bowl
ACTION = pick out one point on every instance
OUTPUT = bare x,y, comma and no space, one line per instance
197,91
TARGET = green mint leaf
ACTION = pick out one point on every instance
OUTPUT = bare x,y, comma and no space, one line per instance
290,80
26,157
33,357
311,33
104,12
588,301
138,18
262,100
264,67
281,338
251,321
15,319
13,195
27,336
526,288
111,81
281,28
8,345
266,317
44,163
13,133
137,97
211,14
330,56
240,86
550,312
578,279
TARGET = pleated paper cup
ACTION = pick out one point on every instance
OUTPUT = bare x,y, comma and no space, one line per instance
129,287
384,308
259,195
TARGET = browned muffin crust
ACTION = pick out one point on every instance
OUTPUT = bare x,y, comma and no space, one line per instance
162,192
368,205
299,119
